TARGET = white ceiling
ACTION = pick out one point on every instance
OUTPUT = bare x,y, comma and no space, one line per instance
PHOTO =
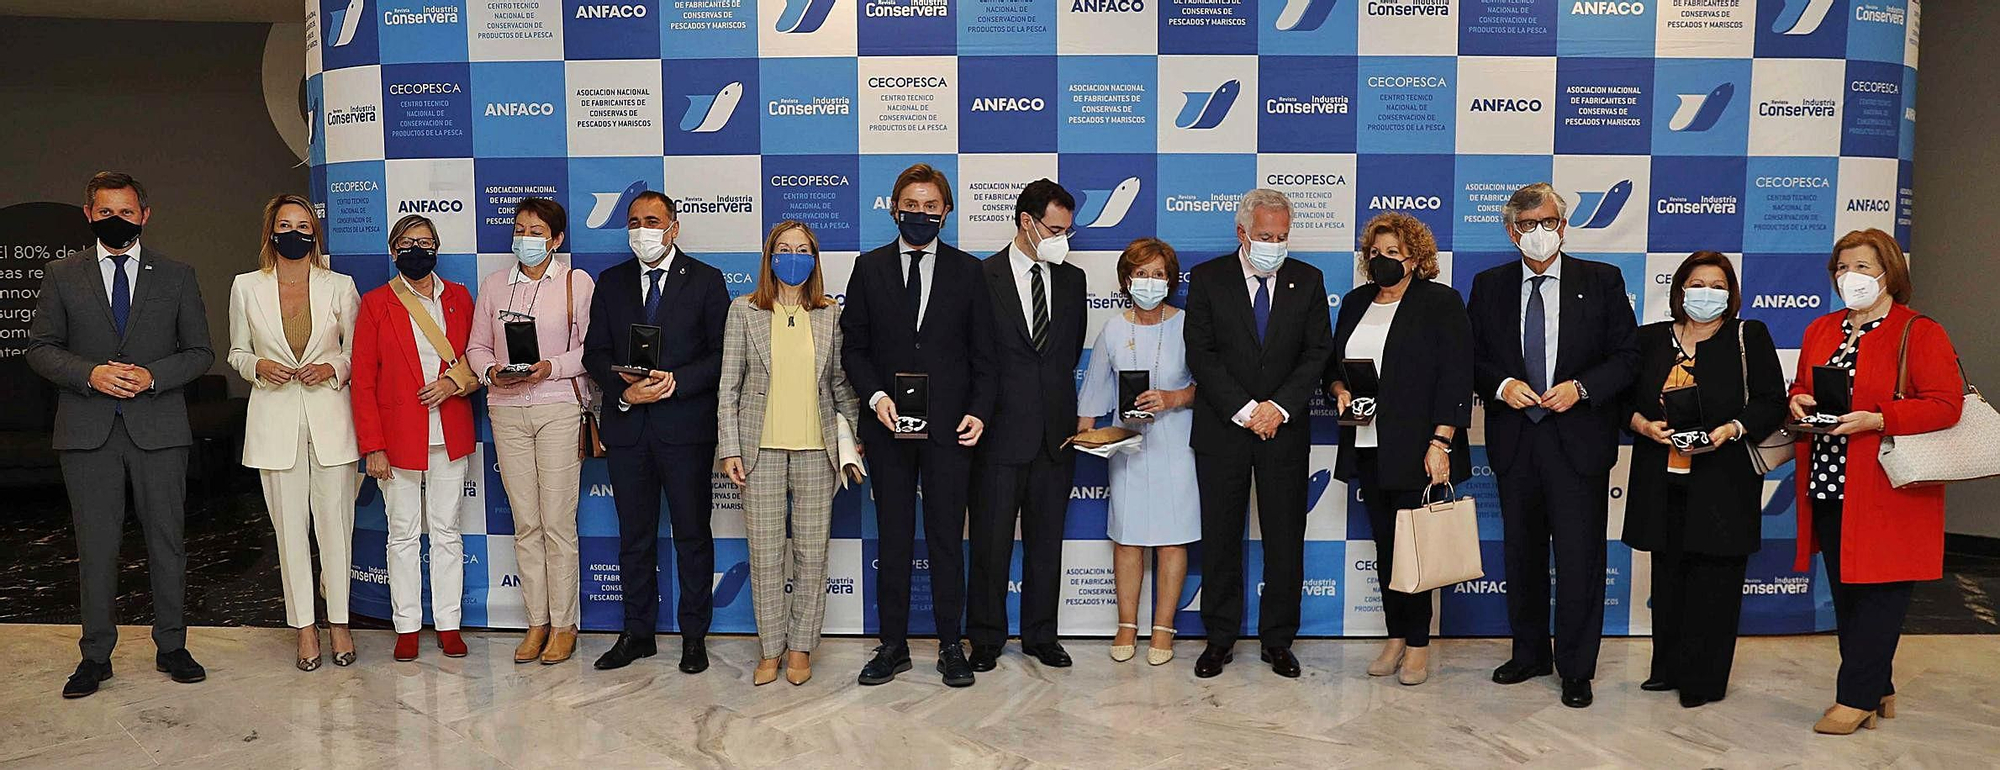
162,10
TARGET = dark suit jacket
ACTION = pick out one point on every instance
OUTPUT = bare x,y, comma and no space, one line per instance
1035,406
1596,346
1232,368
953,344
694,306
166,332
1725,495
1426,378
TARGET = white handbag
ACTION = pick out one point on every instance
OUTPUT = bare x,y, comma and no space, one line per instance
1437,544
1771,452
1962,452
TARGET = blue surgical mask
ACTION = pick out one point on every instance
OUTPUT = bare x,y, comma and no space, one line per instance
792,268
531,250
1704,303
1266,256
1148,293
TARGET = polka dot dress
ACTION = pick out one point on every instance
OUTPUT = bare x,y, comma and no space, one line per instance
1829,461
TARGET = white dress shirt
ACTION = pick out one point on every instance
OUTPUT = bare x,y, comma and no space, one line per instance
105,266
927,269
1250,276
1366,341
427,356
1551,318
1024,284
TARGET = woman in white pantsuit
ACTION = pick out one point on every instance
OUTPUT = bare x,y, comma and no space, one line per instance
783,395
291,333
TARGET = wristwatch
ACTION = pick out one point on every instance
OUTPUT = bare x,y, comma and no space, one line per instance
1581,394
1441,442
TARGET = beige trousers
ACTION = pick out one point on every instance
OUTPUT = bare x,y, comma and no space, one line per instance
536,448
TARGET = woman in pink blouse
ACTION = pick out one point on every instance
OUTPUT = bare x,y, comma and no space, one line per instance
537,398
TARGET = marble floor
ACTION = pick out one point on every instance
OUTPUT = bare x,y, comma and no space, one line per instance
484,711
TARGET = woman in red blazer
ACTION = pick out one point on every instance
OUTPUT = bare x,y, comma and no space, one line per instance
1877,540
413,424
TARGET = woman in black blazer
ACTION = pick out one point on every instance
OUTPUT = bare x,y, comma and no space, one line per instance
1699,513
1417,334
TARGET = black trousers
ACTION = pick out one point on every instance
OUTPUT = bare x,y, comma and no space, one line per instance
96,479
1697,608
639,474
944,470
1868,617
1037,492
1224,481
1408,616
1544,503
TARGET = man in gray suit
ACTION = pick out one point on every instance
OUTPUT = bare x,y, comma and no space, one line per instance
121,331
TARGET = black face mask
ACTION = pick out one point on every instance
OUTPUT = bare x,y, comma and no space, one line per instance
115,231
918,228
292,244
416,262
1385,271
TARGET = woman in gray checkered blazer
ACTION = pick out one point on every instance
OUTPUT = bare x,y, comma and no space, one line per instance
784,397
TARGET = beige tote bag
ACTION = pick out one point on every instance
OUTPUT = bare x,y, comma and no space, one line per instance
1437,544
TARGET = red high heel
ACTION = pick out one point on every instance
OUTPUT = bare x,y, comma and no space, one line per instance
406,647
452,644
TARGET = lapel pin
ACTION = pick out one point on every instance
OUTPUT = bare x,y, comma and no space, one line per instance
1291,285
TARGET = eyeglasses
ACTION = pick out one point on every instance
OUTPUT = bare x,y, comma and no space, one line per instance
427,243
1528,225
1054,233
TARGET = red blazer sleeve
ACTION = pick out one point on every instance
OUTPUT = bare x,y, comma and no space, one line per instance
366,378
1936,392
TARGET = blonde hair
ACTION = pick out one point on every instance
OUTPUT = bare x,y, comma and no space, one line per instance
1416,237
267,257
812,294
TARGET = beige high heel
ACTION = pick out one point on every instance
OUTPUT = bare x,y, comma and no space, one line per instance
799,675
1156,656
1391,657
766,673
1888,709
1842,720
1124,652
1418,675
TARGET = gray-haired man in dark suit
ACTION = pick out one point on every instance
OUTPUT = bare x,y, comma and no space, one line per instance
121,331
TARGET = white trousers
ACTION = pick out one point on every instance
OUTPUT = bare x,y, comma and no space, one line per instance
315,499
417,501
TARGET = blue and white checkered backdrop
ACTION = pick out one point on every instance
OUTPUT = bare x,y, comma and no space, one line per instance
1761,129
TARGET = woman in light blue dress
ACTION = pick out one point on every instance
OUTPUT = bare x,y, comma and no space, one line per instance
1154,502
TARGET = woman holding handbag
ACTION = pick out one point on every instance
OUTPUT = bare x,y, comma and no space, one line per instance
1415,334
413,424
783,398
1699,511
1877,539
527,346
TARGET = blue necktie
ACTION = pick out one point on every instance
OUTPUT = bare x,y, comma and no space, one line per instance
1535,345
121,292
1260,306
654,277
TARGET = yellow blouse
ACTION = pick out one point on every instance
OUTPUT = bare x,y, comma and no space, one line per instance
791,407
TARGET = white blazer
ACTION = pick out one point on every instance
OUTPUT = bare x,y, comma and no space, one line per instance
257,331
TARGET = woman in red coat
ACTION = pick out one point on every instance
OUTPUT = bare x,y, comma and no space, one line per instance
413,424
1877,540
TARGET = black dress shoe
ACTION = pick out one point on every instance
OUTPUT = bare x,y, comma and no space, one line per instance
1658,684
1283,663
952,664
1052,654
694,656
177,664
84,681
1691,700
1517,671
1212,660
628,648
986,656
887,663
1576,693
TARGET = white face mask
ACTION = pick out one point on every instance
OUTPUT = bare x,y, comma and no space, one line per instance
1859,290
1539,244
1266,256
1148,293
1053,249
648,243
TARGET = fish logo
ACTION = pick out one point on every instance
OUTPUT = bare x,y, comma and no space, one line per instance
1316,486
708,113
347,21
1107,208
1597,210
1699,112
1304,15
729,585
1801,17
804,16
608,209
1206,109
